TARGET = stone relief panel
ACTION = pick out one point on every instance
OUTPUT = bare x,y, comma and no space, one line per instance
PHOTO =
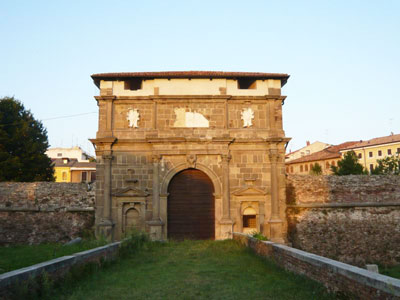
244,115
133,117
247,117
189,119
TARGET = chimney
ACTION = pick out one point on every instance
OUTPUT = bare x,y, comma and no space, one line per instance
308,143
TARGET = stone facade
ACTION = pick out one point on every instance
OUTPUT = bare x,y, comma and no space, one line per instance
43,212
353,219
228,125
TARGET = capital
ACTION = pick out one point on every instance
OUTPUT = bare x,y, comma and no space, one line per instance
273,155
156,158
107,157
226,157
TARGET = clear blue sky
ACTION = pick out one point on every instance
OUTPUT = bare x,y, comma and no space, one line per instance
343,57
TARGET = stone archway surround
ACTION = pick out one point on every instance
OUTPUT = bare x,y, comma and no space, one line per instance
164,194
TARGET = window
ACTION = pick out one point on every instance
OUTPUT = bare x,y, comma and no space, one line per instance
359,155
398,150
249,218
306,168
92,176
246,84
389,151
133,84
333,163
307,152
371,167
84,176
327,165
287,169
301,168
371,154
59,154
291,169
249,221
379,152
302,154
64,176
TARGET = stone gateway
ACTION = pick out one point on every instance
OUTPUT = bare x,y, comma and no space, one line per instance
190,154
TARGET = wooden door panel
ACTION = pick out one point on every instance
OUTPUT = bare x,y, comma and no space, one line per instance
191,212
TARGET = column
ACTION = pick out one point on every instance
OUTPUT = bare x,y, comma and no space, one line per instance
156,188
226,221
275,222
156,224
106,227
226,214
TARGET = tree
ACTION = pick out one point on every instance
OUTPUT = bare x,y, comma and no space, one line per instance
23,142
316,169
389,165
349,165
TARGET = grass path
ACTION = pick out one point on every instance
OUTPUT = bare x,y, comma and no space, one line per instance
193,270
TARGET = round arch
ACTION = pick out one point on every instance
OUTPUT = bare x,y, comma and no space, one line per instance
171,173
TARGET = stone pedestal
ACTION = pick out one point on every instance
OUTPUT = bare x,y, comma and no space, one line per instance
275,231
226,228
105,229
156,229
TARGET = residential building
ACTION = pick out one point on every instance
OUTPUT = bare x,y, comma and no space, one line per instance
307,150
325,158
368,152
71,170
72,153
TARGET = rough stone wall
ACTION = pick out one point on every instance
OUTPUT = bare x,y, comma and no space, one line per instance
353,219
41,212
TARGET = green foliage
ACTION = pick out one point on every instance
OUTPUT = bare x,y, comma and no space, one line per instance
316,169
389,165
23,142
349,165
259,236
194,270
134,241
392,271
20,256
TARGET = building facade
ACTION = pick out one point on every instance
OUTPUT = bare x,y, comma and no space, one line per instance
310,148
325,158
190,154
368,152
71,170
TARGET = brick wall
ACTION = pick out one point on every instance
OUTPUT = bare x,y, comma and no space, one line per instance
41,212
353,219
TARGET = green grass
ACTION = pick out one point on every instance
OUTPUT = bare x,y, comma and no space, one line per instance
16,257
390,271
191,270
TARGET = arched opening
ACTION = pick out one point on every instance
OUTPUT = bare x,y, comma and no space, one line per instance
190,206
249,220
131,220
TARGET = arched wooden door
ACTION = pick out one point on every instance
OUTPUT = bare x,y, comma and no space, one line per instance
191,212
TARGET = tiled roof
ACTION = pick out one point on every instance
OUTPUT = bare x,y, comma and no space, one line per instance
85,165
192,74
73,162
59,162
376,141
327,153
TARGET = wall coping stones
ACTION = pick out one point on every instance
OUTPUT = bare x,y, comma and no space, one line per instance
343,205
58,265
363,277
